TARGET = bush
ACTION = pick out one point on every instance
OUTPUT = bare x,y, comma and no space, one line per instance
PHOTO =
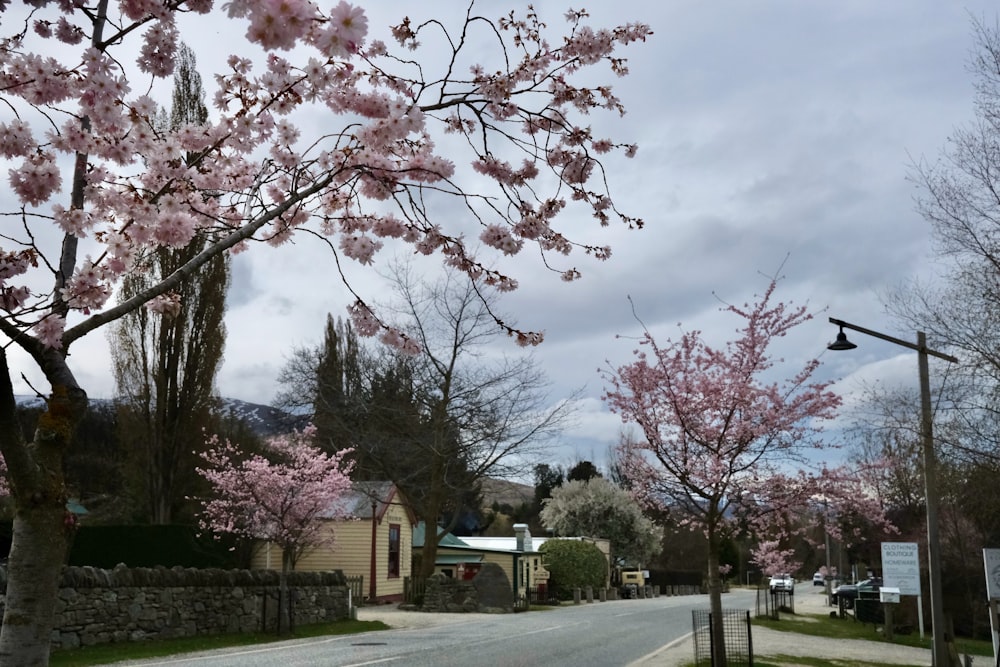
574,564
151,546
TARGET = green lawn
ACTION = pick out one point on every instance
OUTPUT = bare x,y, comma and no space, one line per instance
109,653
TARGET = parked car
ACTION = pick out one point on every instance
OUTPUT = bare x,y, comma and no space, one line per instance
782,583
819,579
849,592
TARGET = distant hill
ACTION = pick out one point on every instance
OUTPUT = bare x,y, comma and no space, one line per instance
503,492
263,420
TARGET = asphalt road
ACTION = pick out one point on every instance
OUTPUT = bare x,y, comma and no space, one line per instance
602,633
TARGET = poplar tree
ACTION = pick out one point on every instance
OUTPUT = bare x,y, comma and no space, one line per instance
165,363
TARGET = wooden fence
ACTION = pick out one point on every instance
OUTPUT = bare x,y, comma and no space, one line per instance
357,586
413,589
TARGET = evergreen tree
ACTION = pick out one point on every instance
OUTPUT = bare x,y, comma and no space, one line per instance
336,397
165,363
583,471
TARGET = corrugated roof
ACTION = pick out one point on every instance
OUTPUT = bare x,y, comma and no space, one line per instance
455,559
502,543
499,544
357,503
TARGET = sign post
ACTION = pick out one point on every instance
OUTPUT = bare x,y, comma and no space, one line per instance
901,570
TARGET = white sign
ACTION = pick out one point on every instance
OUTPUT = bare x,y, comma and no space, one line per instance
886,594
991,560
901,567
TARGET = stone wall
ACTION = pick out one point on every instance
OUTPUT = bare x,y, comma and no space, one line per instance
98,606
489,592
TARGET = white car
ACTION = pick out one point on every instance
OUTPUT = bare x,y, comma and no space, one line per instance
782,583
819,579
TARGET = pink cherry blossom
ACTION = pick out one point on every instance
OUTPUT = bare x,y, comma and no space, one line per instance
287,495
166,304
36,180
718,431
311,132
49,330
15,138
279,24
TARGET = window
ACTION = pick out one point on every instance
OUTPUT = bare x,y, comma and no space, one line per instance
393,550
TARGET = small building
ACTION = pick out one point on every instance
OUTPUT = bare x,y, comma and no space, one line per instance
517,555
375,542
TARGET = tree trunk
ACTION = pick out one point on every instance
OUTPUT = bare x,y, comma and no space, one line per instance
715,598
433,507
284,613
428,555
37,555
41,521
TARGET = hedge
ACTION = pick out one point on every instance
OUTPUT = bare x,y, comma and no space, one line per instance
574,564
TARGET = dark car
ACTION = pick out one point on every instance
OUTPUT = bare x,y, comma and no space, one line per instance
848,593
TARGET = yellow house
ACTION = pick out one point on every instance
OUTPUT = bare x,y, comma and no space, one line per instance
376,542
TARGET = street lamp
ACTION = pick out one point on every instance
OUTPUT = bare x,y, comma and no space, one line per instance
941,658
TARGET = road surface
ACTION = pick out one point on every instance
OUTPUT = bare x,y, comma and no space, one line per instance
601,633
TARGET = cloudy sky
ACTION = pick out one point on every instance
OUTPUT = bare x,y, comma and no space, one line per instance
772,135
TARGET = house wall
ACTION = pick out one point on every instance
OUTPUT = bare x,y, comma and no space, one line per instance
351,553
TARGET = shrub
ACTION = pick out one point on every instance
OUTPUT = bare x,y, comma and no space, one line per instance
151,546
574,564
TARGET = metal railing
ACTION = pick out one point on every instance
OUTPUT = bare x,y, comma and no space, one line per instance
736,630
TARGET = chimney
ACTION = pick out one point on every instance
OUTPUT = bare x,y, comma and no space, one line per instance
522,537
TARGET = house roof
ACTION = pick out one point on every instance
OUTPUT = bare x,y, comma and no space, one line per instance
364,496
495,544
455,559
448,540
502,543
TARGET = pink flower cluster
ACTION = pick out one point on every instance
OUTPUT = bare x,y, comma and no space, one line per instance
37,179
88,288
281,24
251,172
285,495
168,304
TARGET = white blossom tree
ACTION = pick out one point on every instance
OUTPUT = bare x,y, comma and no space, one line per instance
598,508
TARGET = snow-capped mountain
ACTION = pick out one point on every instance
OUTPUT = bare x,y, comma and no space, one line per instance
263,420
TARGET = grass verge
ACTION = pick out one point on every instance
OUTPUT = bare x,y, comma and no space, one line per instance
823,626
111,653
799,661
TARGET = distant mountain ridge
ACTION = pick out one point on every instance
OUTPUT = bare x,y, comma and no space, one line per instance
264,420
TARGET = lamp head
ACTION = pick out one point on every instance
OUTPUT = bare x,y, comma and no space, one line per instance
841,343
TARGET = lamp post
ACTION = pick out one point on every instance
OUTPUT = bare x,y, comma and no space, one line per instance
940,654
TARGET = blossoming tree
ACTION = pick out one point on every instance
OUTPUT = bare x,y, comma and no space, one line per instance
316,129
717,432
598,508
286,498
